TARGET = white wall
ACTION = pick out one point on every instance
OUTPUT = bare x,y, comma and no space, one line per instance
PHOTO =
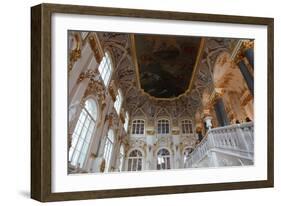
15,102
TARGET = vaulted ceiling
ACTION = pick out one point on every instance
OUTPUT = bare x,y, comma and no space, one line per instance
162,58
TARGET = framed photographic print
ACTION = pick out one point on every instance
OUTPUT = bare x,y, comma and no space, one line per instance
132,102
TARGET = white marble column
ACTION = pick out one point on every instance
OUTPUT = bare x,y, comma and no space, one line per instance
208,121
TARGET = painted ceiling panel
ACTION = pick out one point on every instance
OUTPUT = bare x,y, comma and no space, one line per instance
165,63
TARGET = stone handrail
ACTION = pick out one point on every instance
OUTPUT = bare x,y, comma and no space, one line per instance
238,138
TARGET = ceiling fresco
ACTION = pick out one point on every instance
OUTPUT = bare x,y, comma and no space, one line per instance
165,63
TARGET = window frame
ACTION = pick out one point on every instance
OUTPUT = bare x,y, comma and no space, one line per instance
86,140
187,122
162,126
108,149
106,74
135,159
118,101
167,159
135,125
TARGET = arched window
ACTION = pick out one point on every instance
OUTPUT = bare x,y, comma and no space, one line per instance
163,126
108,146
187,126
121,157
105,68
135,161
163,159
126,124
138,126
186,153
118,101
82,133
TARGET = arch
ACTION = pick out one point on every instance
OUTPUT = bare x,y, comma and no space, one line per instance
135,159
83,133
135,148
163,158
162,112
94,98
187,150
139,113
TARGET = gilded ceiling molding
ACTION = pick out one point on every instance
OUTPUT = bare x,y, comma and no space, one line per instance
96,47
122,116
93,75
112,90
217,93
238,52
247,44
75,52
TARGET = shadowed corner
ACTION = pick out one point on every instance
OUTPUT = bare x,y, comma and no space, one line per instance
24,193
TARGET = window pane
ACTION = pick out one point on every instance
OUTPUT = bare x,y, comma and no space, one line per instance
75,157
71,150
134,165
83,133
130,165
139,164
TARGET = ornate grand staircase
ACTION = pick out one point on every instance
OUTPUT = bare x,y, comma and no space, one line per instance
231,145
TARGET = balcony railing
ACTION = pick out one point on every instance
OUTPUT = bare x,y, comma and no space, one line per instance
236,140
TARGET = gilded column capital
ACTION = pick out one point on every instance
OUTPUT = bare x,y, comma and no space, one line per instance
75,52
93,75
74,55
238,52
239,57
95,87
247,44
216,94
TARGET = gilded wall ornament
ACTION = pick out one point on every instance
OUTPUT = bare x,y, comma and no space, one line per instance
150,132
112,90
95,48
175,132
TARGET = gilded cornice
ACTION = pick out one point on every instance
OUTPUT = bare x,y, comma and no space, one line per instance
96,48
